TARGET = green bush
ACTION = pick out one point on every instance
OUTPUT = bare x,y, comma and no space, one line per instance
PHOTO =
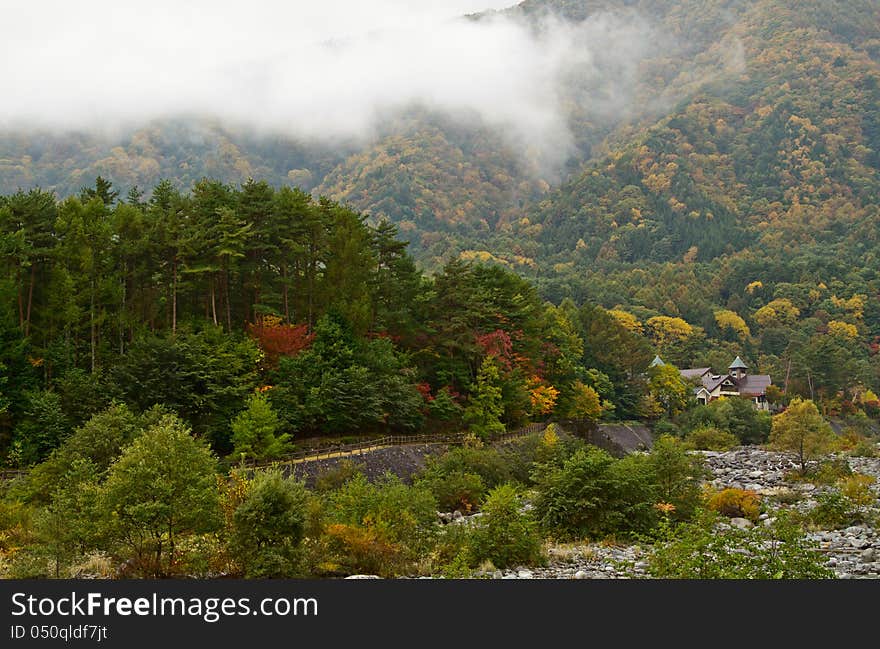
833,511
677,476
460,478
830,471
458,491
710,438
864,447
521,455
698,550
388,520
505,535
737,416
593,495
452,555
847,504
334,477
268,526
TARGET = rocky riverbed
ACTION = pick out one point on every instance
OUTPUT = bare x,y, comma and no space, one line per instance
852,553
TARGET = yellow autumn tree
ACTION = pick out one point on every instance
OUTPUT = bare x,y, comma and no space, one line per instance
843,330
731,321
627,320
779,312
542,396
584,402
666,330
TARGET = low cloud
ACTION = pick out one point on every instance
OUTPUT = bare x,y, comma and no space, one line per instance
330,69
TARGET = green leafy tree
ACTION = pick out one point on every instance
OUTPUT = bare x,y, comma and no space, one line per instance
486,405
42,427
678,476
668,388
255,431
506,535
162,487
801,431
269,525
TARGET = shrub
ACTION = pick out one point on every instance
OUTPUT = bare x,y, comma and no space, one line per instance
593,495
830,471
505,535
666,427
357,549
458,491
521,455
677,475
268,525
333,478
710,438
857,489
737,416
487,463
832,511
399,520
736,503
697,550
864,447
452,555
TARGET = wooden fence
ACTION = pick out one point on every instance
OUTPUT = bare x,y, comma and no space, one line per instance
358,448
368,446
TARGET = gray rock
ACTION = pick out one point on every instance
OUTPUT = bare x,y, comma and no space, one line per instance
855,530
868,555
741,523
580,574
363,577
525,574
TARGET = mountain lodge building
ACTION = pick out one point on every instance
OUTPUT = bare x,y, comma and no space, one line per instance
736,383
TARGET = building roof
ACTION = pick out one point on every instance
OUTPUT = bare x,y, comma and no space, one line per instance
754,385
657,361
738,364
712,381
695,372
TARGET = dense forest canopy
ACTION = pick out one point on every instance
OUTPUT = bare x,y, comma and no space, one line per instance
253,302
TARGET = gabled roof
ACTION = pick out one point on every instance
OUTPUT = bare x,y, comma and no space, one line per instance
738,364
657,361
712,381
695,372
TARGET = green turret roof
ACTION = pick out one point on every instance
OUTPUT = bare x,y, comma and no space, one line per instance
738,364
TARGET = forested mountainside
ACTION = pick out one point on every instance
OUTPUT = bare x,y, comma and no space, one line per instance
182,151
736,191
726,116
447,179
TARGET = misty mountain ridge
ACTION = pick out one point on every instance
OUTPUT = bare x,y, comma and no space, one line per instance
665,130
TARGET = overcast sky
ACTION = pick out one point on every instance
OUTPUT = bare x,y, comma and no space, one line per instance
302,67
